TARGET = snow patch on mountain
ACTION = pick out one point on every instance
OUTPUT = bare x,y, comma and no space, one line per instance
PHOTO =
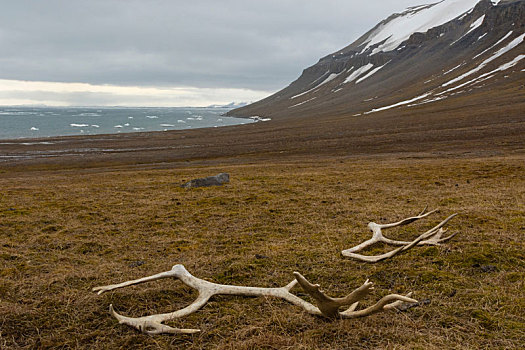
302,103
399,103
389,35
499,53
372,72
496,44
327,80
476,24
359,71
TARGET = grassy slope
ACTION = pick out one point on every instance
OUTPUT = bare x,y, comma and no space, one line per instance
64,232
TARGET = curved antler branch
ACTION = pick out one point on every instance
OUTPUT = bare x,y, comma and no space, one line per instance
327,306
431,237
153,324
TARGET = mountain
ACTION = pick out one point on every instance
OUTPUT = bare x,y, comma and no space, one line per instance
427,55
229,105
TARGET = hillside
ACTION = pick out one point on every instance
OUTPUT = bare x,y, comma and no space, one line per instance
427,54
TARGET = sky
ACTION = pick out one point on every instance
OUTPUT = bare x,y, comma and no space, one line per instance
170,52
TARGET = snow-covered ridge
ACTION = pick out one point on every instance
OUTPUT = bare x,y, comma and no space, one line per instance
389,35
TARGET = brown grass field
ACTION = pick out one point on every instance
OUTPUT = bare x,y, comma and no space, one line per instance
70,223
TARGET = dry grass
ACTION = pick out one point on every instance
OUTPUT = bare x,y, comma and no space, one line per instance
63,232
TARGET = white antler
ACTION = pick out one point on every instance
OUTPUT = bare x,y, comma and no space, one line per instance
431,237
328,307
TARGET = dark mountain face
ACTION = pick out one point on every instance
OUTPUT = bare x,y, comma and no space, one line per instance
426,55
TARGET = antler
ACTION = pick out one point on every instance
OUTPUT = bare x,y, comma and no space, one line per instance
327,306
431,237
330,306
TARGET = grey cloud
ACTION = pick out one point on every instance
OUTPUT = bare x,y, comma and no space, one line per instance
260,45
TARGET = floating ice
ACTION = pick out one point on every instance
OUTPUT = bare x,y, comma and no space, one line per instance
34,129
87,114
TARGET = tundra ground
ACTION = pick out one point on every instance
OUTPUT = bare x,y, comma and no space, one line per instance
66,231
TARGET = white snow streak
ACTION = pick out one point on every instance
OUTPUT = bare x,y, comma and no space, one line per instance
473,26
330,78
399,103
372,72
358,72
493,46
313,98
453,69
488,75
482,36
500,52
476,24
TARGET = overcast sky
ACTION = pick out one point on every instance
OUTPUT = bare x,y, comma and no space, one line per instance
170,52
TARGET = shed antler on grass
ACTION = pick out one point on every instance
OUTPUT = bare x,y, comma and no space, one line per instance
431,237
326,306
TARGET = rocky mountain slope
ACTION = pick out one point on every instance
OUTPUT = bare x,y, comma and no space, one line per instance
425,55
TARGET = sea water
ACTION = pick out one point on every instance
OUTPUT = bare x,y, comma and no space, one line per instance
31,122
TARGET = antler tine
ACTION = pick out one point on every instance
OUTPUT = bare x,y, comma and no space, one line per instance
149,324
409,220
330,306
385,303
103,289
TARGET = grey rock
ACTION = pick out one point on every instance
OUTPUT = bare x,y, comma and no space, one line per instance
407,306
217,180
